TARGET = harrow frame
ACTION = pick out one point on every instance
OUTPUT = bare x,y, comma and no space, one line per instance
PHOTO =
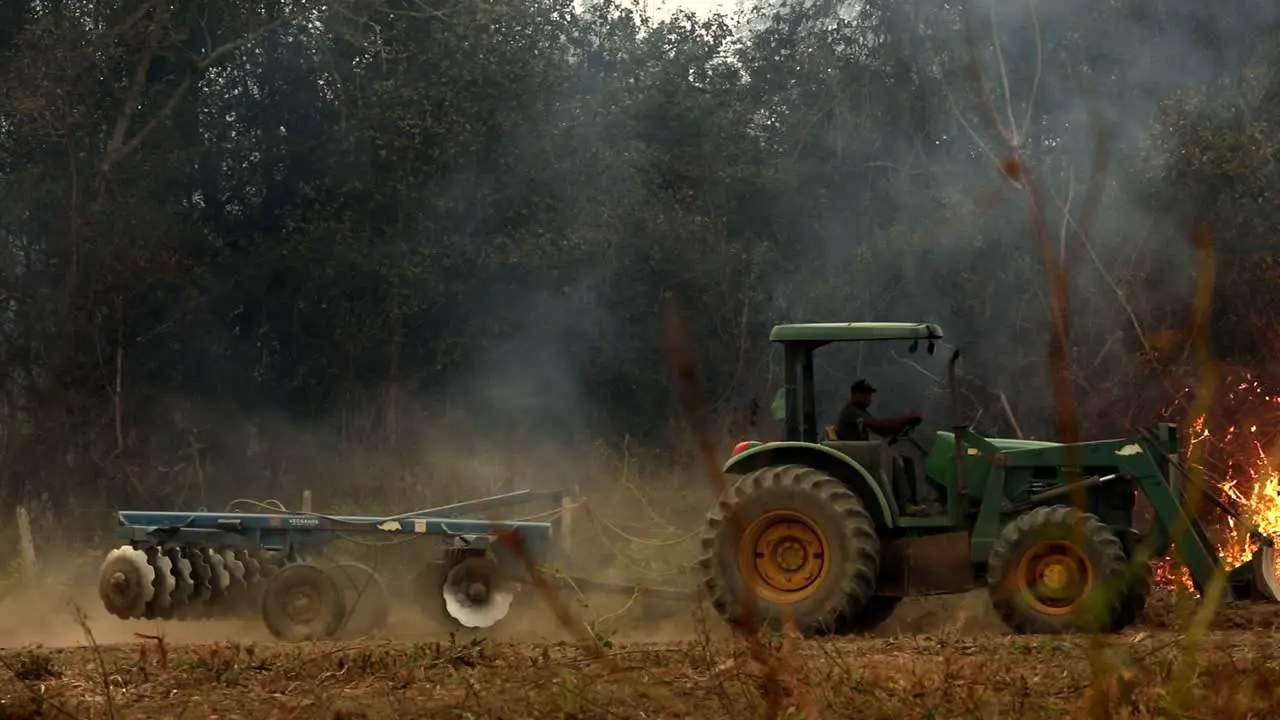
203,564
300,533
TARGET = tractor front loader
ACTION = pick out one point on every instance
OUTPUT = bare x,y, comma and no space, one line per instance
811,530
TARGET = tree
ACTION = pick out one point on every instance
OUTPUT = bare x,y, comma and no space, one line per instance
224,224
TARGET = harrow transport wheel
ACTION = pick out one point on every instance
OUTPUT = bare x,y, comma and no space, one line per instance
365,597
808,553
1057,570
303,602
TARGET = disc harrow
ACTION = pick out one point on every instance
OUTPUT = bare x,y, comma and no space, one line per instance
203,565
179,582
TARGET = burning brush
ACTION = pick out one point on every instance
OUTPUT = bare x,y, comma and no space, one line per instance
1247,480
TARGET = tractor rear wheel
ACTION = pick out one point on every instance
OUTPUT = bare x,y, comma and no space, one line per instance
1056,570
789,544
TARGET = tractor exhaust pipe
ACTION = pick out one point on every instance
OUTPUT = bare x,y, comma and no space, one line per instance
957,503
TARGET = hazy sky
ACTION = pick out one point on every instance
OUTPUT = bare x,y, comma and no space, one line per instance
662,8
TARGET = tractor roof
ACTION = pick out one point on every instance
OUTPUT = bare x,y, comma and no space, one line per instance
855,332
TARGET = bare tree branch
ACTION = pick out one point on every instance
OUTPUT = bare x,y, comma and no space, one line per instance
118,148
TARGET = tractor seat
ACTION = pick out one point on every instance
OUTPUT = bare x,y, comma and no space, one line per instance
881,462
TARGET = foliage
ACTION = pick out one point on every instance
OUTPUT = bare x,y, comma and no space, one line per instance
240,237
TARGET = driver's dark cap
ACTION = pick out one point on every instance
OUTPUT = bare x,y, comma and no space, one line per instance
862,386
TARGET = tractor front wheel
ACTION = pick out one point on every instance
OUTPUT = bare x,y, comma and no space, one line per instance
1056,570
789,544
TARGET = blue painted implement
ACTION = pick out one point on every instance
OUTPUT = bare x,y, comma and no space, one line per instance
203,564
309,532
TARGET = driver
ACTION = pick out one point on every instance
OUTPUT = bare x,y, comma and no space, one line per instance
856,421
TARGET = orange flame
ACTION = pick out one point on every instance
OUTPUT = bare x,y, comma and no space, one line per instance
1250,484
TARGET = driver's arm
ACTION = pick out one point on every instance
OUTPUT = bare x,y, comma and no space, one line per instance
890,427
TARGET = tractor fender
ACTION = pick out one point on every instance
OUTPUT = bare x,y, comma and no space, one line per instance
818,457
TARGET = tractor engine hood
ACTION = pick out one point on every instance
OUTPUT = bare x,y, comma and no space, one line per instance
1015,444
1003,443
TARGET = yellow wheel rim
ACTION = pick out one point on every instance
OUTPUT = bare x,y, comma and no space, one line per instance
1054,577
783,556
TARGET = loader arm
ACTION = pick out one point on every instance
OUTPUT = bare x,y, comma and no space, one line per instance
1174,525
1178,527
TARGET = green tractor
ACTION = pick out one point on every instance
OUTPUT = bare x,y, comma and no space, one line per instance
811,531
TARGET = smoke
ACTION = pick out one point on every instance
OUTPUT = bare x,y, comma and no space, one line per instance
915,222
532,378
926,229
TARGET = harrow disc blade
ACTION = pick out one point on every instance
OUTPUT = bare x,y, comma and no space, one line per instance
252,571
266,565
126,582
220,577
164,584
231,561
237,589
475,594
183,586
1265,579
201,590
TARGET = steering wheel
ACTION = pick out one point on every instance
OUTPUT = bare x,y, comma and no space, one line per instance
905,433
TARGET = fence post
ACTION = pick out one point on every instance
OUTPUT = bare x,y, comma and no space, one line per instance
566,525
26,544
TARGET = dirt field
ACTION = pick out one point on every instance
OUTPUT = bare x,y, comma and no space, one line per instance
934,659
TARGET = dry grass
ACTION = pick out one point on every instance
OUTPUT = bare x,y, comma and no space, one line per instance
890,678
946,672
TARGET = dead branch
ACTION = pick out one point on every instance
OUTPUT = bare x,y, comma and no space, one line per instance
916,365
1012,167
1008,411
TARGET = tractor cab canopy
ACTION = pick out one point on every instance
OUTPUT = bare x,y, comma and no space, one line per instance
823,333
795,404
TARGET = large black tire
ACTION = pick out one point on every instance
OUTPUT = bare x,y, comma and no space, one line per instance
303,602
802,496
1103,599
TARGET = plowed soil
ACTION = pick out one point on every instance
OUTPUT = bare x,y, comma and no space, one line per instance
937,658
